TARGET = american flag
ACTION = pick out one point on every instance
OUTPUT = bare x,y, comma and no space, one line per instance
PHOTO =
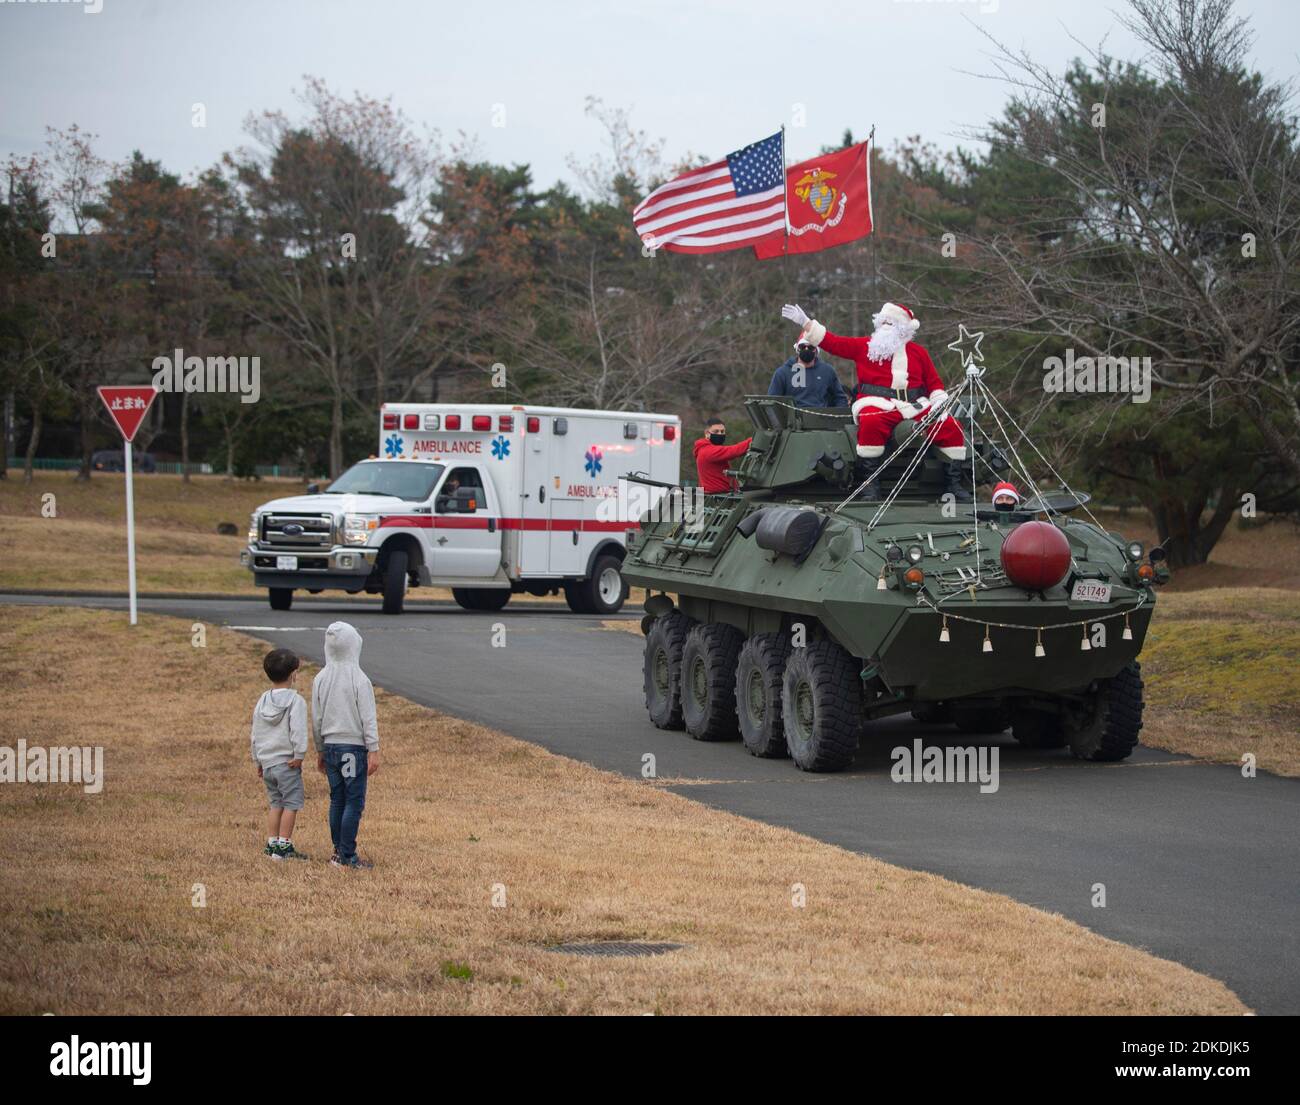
729,204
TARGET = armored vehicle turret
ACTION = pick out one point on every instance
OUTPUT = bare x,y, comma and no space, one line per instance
823,594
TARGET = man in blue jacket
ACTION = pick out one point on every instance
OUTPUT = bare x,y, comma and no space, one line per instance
808,380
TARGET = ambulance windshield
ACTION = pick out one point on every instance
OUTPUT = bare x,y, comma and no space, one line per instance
401,480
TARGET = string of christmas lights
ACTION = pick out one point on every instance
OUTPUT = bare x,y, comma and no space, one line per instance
1039,650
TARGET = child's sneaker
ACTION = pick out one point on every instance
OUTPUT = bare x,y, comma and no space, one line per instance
287,851
272,851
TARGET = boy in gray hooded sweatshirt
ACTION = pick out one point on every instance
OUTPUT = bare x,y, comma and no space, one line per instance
279,743
346,735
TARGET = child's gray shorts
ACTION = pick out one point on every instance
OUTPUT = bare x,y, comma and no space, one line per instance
283,786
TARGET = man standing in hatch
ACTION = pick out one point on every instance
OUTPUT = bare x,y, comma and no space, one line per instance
713,455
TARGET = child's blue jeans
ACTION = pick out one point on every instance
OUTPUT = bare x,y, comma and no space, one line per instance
345,768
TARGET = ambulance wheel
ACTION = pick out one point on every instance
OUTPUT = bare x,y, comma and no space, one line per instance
281,597
603,592
709,681
481,598
663,669
395,581
759,673
821,706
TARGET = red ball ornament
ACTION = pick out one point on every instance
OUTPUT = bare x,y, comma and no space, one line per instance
1035,556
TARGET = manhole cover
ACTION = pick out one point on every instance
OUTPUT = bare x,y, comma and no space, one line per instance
614,947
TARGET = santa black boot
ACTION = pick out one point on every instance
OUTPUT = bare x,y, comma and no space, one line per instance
954,484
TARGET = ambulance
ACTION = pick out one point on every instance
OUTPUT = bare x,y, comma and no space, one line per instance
487,500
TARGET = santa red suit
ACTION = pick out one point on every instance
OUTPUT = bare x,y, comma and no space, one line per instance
896,381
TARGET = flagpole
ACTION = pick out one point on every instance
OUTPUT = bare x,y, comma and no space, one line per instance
875,269
785,203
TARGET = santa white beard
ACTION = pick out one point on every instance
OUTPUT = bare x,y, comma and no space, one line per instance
886,340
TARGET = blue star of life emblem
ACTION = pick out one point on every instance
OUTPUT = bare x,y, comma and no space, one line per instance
500,448
593,460
393,445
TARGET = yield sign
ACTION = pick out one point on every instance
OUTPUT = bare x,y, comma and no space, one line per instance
128,406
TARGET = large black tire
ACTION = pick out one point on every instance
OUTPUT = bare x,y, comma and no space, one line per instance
603,592
759,673
281,598
1107,730
663,669
1037,729
481,598
395,581
709,681
982,719
821,706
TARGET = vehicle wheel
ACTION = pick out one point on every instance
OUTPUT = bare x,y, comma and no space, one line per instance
759,673
1108,729
281,597
982,719
481,598
821,706
663,666
1037,729
603,592
395,581
932,713
709,681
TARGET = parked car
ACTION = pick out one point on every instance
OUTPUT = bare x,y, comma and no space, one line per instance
114,460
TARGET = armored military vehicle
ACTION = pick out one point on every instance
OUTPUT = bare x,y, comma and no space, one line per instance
827,591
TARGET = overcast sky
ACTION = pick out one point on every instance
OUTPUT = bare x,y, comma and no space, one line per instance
707,76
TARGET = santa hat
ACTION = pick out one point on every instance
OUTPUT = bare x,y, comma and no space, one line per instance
1005,488
897,315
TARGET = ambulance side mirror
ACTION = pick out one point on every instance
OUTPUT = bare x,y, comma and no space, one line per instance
467,500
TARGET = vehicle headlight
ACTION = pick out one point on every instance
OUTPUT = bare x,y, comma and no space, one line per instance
253,529
914,553
357,528
1135,551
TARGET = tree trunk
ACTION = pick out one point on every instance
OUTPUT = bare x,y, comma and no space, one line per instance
38,417
185,437
336,435
1189,538
87,443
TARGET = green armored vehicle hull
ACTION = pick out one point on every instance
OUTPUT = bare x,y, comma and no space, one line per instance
789,617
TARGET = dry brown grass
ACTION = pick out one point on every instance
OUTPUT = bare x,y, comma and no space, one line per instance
1220,667
95,891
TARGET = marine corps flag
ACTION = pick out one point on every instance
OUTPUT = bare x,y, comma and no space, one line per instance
828,200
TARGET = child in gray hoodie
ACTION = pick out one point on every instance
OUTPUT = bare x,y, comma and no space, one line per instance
279,742
346,735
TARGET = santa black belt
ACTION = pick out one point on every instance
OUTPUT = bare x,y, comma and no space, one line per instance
905,395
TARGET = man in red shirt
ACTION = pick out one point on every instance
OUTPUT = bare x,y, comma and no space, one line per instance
713,455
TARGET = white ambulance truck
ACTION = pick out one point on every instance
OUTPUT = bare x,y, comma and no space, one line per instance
487,500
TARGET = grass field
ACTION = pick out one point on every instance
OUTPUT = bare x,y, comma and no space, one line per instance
97,892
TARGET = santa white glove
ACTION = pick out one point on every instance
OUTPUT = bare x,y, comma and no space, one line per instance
795,314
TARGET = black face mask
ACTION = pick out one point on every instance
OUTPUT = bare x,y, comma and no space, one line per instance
1004,506
718,439
807,355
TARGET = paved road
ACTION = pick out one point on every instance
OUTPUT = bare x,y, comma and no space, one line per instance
1199,864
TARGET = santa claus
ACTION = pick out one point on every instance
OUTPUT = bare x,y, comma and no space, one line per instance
897,381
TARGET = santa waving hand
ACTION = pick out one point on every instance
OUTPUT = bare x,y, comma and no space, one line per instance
896,381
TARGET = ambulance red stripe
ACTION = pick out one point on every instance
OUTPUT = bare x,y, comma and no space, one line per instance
427,521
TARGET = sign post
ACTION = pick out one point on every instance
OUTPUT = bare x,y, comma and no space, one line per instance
127,406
